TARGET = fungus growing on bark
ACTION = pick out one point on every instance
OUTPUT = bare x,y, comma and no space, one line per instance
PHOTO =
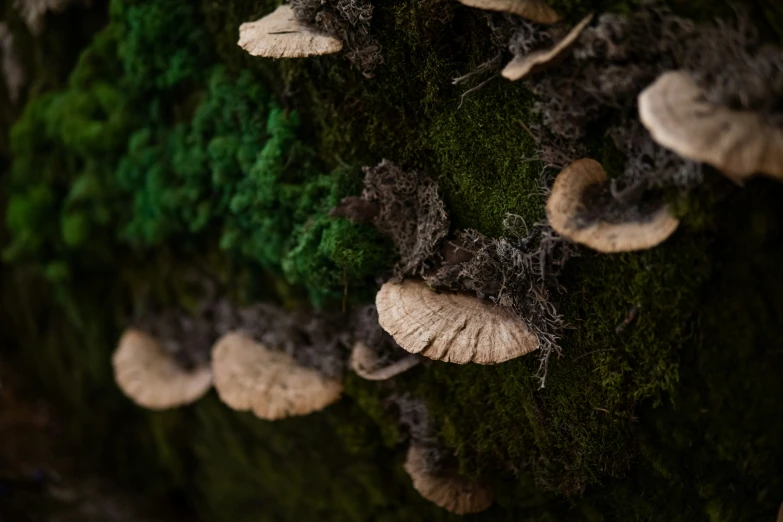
581,208
451,327
249,376
534,10
524,65
152,378
281,35
366,363
445,488
737,142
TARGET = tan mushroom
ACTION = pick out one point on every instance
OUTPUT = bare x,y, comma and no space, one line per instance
450,491
534,10
573,216
738,143
280,35
451,327
522,66
249,376
151,378
364,362
780,513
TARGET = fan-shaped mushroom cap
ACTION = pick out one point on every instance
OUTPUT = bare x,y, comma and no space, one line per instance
522,66
451,327
447,490
152,378
568,213
534,10
280,35
249,376
738,143
364,362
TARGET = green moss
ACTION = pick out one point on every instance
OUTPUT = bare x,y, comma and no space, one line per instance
673,417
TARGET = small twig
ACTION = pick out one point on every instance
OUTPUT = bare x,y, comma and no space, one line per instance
345,289
476,88
632,313
529,131
488,66
594,351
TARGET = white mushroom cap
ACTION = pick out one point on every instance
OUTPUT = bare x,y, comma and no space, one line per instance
280,35
738,143
566,204
451,327
534,10
249,376
449,491
364,362
151,378
521,66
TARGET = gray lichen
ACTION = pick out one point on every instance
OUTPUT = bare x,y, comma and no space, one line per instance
348,20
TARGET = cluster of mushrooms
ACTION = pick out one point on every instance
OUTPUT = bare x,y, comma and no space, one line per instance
448,326
249,376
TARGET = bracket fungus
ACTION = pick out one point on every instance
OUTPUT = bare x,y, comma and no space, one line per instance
280,35
521,66
451,327
249,376
534,10
581,209
448,489
152,378
739,143
367,365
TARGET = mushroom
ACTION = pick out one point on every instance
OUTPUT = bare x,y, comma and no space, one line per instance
534,10
581,209
249,376
451,327
280,35
521,66
448,490
151,378
738,143
367,365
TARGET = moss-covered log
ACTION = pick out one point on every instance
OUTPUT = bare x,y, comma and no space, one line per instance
150,150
